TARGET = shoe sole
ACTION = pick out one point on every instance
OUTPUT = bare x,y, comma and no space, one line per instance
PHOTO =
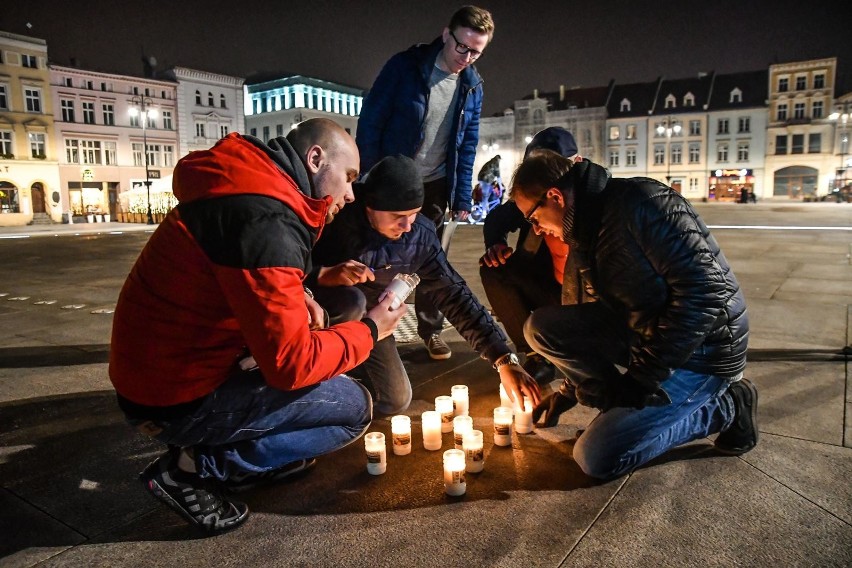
753,411
440,356
160,494
289,475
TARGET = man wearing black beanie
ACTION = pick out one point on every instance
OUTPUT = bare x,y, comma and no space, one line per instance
383,234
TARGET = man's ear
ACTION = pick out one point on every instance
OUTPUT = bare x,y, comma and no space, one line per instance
313,158
555,194
445,35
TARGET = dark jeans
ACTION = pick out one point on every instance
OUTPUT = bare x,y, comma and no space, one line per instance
517,288
430,320
585,342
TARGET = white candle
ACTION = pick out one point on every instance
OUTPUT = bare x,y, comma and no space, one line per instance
505,401
474,453
461,400
444,407
401,286
503,426
523,418
461,424
454,483
377,457
401,435
431,422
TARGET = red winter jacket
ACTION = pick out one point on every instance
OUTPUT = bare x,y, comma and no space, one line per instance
223,273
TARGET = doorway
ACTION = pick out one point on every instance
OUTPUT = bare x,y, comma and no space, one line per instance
37,192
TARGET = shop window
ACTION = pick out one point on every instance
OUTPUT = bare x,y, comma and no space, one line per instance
9,198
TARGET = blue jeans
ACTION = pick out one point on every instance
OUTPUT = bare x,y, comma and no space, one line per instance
247,426
585,342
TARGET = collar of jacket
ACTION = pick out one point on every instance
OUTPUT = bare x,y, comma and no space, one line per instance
427,55
580,221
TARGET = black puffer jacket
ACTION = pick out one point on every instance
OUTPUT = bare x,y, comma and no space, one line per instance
642,249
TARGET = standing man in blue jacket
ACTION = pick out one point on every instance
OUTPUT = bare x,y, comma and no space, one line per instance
425,104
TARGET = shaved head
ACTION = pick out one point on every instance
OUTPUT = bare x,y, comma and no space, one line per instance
321,132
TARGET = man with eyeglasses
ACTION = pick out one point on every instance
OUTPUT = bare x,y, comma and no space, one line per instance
425,104
654,330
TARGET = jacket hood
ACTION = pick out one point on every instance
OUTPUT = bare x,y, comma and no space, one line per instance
239,165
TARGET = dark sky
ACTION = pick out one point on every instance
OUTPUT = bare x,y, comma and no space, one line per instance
536,45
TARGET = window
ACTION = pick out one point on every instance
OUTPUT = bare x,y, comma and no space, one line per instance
88,112
150,119
693,184
798,146
742,151
782,112
134,120
109,115
154,155
32,97
815,143
614,133
670,102
72,151
744,124
222,102
210,99
67,106
816,109
722,153
91,86
723,126
198,98
5,143
695,128
279,130
29,61
736,96
659,155
694,153
147,92
9,198
199,130
689,100
266,134
37,145
90,150
781,144
135,90
223,130
4,101
630,158
103,86
168,156
799,110
625,105
110,154
631,132
137,154
167,120
253,132
801,83
613,157
67,82
819,81
677,154
783,84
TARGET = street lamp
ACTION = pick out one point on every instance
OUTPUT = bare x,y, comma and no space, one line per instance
842,116
139,108
668,127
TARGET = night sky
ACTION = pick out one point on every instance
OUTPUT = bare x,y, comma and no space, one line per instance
536,44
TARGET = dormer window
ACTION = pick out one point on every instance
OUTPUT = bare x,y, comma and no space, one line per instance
625,105
671,102
736,96
689,100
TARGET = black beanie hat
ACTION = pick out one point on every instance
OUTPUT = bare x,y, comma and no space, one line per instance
393,184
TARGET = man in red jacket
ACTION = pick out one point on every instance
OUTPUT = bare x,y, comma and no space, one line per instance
217,348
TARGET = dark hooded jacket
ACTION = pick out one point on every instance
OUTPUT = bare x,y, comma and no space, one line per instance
222,276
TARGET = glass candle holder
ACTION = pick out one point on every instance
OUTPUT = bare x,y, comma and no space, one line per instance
431,423
454,483
402,285
505,401
401,435
523,418
461,424
473,451
461,400
444,407
377,457
502,426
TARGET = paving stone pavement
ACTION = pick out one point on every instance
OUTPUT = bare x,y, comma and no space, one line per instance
69,497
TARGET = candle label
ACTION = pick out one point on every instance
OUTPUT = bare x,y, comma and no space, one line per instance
446,417
476,455
454,476
502,429
458,439
374,457
401,439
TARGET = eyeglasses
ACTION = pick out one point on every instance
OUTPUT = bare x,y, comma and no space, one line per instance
464,50
528,217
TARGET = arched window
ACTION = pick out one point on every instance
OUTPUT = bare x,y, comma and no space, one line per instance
198,97
689,100
671,102
210,99
222,101
625,105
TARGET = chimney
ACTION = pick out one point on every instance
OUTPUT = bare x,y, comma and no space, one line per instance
561,93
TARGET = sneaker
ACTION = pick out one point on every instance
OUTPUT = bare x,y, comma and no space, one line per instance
245,481
197,500
539,368
438,348
741,435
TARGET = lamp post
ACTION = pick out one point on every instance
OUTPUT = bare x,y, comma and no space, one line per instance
139,106
668,128
843,117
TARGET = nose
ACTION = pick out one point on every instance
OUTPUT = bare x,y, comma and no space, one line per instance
405,225
349,196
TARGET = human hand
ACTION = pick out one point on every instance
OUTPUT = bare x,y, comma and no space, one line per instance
384,317
316,314
518,384
461,215
554,405
347,273
496,255
624,391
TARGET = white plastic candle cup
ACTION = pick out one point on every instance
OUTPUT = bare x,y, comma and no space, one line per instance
461,400
523,418
401,286
502,426
444,407
461,424
431,422
505,401
401,435
454,483
377,457
473,450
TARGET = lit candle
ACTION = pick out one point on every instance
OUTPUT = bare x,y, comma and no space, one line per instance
444,407
474,454
454,483
523,418
431,422
505,401
401,435
377,457
461,401
461,424
502,426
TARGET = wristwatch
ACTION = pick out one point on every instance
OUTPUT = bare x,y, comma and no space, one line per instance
507,359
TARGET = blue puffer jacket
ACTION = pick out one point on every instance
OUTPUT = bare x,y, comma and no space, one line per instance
391,120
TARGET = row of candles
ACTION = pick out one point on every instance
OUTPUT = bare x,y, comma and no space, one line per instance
451,414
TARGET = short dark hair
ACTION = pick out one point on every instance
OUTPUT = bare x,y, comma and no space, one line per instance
474,18
538,173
